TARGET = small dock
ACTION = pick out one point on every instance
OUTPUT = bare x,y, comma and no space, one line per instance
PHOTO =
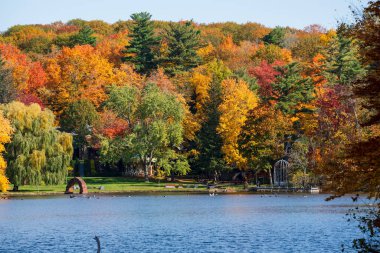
285,189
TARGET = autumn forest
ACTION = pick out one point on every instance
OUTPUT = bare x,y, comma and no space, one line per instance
154,99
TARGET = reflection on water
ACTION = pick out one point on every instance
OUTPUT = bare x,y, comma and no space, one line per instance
176,223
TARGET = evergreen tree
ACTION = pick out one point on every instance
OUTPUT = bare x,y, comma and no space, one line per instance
183,41
38,153
342,61
208,142
276,36
291,90
140,50
83,37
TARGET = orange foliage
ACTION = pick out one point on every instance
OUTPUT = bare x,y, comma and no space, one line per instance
78,73
110,125
162,81
111,47
127,76
27,76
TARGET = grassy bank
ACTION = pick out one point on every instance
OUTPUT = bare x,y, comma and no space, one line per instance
120,185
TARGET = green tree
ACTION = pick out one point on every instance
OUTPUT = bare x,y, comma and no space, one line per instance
39,45
79,118
342,61
291,91
124,102
182,42
83,37
276,36
140,50
208,142
38,153
174,163
156,130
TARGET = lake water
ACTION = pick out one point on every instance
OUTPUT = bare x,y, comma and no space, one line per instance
176,223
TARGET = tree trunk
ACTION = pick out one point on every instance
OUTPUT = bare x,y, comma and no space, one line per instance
172,176
270,177
15,188
146,170
215,176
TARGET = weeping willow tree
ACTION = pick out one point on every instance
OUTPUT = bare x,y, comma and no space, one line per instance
38,153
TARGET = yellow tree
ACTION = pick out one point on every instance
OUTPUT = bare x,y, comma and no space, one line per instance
5,137
237,101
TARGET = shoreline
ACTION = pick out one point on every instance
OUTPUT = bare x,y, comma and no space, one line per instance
14,195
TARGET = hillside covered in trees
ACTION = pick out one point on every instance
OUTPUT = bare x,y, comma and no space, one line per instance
154,98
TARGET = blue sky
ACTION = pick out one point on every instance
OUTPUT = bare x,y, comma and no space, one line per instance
294,13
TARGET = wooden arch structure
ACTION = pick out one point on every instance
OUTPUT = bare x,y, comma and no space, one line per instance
81,183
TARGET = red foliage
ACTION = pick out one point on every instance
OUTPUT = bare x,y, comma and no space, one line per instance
334,109
266,75
37,76
27,75
110,125
30,99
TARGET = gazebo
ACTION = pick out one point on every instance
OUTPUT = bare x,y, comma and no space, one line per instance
280,173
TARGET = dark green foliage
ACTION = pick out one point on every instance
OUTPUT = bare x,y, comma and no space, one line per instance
39,45
276,36
183,41
83,37
79,118
141,48
342,62
62,41
209,143
291,90
251,81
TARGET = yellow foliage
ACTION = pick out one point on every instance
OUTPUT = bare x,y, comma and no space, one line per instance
5,137
327,37
127,76
238,100
272,53
191,125
207,52
286,55
201,84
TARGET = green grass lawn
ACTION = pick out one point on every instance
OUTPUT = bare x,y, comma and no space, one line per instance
112,185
